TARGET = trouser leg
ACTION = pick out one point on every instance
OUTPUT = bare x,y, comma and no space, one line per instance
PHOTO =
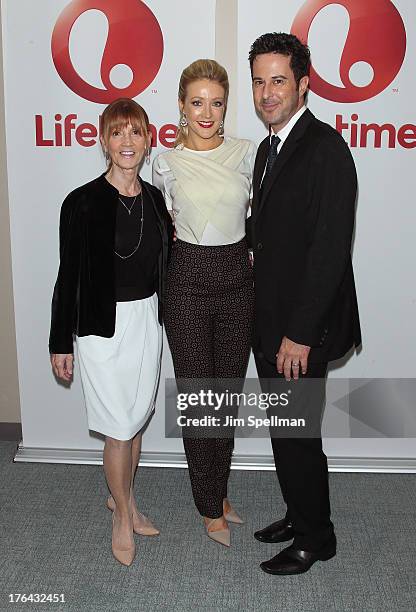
232,342
188,324
301,464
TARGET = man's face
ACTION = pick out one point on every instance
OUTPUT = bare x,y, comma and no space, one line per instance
276,96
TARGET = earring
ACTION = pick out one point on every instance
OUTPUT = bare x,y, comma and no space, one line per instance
107,156
183,121
221,129
147,156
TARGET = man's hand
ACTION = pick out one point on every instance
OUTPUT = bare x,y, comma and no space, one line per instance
291,358
62,365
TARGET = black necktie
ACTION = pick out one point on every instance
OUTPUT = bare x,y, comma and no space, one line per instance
271,158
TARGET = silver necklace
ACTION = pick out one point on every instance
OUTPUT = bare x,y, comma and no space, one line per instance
141,228
126,207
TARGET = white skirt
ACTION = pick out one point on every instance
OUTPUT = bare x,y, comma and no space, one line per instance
120,375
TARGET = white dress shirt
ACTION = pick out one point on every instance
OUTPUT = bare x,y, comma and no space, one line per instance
284,132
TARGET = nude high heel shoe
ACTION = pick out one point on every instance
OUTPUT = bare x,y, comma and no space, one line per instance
141,524
231,516
125,556
221,536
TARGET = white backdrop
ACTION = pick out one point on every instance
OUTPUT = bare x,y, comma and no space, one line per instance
41,176
383,252
41,173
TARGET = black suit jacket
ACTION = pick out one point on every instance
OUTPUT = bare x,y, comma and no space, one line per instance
84,299
301,230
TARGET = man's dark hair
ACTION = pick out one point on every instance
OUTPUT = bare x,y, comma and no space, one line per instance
285,44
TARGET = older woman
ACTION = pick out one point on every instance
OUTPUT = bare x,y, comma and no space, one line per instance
206,181
115,233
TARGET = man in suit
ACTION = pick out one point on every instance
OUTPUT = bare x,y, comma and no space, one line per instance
306,314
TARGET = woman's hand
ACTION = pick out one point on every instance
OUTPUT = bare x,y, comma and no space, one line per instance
62,365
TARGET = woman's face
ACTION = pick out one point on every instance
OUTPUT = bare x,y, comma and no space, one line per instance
204,107
126,146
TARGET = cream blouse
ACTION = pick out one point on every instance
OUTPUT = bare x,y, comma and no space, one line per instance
208,191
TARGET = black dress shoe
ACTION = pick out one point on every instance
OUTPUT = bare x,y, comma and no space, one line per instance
292,560
280,531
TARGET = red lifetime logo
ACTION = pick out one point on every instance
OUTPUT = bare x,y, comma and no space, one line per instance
134,39
376,35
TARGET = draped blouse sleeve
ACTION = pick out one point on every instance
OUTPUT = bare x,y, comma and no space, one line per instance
163,179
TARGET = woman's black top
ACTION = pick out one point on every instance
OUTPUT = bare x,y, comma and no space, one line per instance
84,297
136,276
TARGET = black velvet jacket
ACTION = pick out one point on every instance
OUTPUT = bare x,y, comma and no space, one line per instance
83,300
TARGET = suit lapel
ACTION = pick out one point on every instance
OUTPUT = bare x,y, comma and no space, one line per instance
290,145
259,166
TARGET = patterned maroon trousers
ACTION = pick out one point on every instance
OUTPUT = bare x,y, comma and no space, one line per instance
209,319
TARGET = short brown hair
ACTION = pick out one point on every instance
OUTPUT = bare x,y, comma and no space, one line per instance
119,114
285,44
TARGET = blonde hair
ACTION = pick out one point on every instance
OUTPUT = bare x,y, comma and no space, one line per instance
119,114
198,70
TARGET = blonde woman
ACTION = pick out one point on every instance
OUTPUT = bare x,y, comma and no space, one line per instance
206,181
114,239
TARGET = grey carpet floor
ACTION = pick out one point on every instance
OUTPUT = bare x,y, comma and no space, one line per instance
55,537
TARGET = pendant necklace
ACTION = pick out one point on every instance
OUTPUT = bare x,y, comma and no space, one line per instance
125,205
141,225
